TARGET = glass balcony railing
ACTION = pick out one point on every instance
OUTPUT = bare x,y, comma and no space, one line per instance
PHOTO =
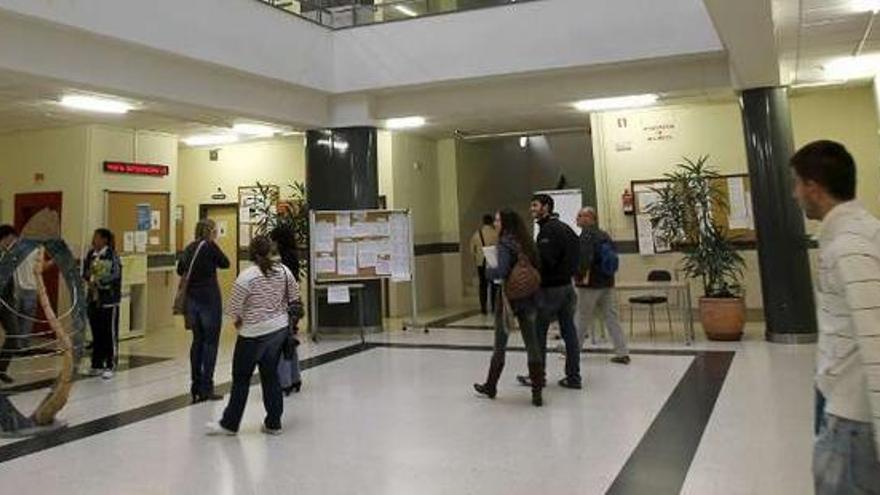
341,14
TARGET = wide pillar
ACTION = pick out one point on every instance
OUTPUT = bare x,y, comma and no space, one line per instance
789,308
342,174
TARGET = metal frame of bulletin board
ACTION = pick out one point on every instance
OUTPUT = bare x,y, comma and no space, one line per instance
350,246
739,222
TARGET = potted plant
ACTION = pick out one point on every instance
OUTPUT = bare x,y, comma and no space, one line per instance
684,215
287,217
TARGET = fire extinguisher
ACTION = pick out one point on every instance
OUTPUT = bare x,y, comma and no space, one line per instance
628,202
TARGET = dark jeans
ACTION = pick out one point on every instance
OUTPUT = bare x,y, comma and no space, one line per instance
252,352
207,319
104,321
12,343
526,319
845,458
488,291
559,303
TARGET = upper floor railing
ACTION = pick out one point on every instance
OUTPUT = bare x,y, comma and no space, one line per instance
340,14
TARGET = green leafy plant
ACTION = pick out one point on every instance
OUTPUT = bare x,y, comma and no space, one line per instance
291,221
684,216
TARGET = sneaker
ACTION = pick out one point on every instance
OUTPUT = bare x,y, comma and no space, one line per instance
620,359
271,431
107,374
216,429
566,383
94,372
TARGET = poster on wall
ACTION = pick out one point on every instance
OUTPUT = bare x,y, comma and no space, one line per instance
128,242
155,220
144,216
140,241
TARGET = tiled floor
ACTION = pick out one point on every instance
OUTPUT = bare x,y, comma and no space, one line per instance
401,418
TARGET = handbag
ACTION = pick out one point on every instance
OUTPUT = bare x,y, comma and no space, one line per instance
524,279
179,307
295,311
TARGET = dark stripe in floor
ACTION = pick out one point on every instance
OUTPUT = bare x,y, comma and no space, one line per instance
78,432
125,363
660,463
446,320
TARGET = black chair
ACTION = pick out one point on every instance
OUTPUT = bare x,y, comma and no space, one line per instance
652,300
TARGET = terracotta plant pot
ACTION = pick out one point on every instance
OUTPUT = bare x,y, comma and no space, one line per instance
723,318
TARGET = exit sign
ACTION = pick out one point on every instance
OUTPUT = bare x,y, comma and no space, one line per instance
136,169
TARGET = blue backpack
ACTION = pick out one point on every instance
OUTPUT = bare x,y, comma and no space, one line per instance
608,261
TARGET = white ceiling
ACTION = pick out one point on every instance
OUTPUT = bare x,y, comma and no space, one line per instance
814,32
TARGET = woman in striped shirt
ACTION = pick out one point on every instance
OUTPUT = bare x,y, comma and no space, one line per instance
259,302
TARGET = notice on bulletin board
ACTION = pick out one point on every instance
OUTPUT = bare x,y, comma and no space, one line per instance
144,216
140,241
155,220
128,242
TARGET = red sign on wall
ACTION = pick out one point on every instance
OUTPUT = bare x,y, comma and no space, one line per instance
136,169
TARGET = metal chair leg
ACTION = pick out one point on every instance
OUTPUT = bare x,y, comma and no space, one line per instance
669,318
652,324
631,320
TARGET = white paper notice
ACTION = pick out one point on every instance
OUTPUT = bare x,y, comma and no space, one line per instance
338,294
381,228
383,266
155,220
738,217
361,229
491,255
244,214
347,258
140,241
646,235
154,240
367,254
343,225
244,235
128,242
325,264
325,237
222,229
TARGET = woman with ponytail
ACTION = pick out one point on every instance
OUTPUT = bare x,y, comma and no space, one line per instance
258,306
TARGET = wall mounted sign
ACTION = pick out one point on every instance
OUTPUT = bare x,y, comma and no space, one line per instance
136,168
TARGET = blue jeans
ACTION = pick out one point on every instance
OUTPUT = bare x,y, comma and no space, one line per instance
207,319
25,304
252,352
559,303
845,458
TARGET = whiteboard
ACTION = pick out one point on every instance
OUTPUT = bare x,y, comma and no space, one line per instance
568,202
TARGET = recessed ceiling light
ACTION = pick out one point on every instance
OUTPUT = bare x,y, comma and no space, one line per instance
862,66
95,104
210,139
865,5
617,102
405,122
406,10
256,130
523,142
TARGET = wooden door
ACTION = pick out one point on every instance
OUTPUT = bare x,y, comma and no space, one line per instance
226,218
26,206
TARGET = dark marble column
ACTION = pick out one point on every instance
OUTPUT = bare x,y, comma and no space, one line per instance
783,245
342,174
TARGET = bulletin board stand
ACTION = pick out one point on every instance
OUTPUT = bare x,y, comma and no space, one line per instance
321,279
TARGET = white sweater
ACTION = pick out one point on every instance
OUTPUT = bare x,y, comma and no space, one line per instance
848,300
259,300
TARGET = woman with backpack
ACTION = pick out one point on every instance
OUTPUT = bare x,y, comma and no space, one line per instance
516,268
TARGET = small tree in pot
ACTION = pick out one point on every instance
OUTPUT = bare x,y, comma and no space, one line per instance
685,216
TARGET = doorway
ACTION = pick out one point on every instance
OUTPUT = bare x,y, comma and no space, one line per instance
27,205
226,217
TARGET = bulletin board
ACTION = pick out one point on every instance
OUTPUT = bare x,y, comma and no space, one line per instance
361,245
738,222
139,220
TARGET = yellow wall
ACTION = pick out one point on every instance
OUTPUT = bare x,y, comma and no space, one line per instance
59,154
847,115
278,161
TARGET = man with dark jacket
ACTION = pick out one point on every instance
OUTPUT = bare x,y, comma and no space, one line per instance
558,252
595,285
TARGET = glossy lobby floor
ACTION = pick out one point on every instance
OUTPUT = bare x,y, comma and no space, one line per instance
399,417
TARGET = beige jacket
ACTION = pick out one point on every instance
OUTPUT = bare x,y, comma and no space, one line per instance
490,237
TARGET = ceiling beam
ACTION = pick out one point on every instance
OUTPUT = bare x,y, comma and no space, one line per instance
746,29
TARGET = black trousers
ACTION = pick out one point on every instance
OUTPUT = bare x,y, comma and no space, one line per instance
488,290
261,352
104,321
11,344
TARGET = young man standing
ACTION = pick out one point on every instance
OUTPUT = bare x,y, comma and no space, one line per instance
558,253
848,362
595,284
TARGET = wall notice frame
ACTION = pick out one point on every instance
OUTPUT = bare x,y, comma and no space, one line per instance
738,222
132,216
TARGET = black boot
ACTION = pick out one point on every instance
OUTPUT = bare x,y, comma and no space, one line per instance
490,388
537,379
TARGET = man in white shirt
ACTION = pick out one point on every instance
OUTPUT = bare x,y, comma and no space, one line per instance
848,359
